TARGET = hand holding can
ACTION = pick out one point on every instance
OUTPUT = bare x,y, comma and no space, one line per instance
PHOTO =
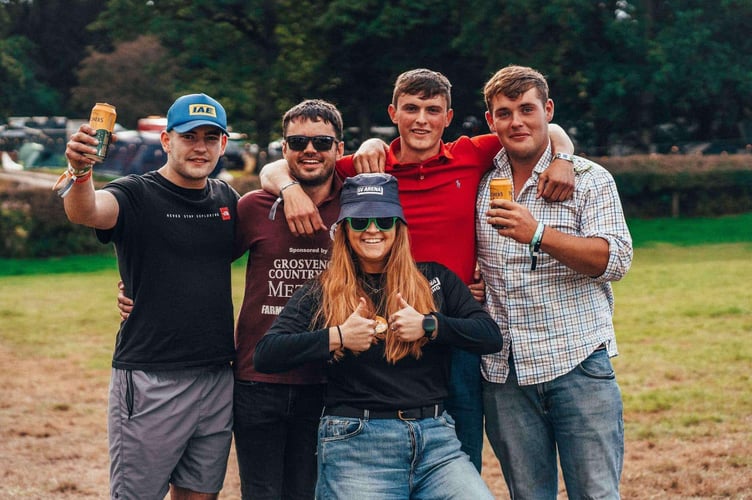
102,120
501,188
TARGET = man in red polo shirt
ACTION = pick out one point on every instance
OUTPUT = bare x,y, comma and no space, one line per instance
438,183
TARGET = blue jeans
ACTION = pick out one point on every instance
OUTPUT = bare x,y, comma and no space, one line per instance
579,413
393,459
465,403
275,439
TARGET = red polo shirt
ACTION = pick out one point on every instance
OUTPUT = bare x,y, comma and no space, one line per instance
438,198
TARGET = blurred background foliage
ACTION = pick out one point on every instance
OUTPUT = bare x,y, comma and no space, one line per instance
626,75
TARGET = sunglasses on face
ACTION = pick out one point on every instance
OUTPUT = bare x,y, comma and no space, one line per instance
360,224
320,142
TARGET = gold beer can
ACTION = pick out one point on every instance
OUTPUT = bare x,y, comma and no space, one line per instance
501,188
102,120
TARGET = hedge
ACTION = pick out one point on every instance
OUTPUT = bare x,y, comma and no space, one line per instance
33,223
682,185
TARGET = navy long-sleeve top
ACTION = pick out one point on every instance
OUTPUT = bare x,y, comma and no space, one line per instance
366,380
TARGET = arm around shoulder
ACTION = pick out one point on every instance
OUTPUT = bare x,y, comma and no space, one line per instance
274,176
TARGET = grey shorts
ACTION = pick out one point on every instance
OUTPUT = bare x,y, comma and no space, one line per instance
169,427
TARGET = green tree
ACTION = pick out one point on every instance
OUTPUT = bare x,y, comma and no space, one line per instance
23,94
226,48
370,42
56,35
137,77
702,59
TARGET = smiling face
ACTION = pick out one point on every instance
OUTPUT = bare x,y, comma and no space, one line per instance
311,167
192,155
371,246
421,123
521,125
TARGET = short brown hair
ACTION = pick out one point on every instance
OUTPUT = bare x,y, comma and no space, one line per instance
513,81
314,110
423,83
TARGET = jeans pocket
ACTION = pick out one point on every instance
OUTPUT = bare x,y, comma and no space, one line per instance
332,428
598,365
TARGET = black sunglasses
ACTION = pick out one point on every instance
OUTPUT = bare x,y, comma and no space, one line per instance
320,142
360,224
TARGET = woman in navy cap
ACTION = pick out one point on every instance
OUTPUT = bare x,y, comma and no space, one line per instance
384,325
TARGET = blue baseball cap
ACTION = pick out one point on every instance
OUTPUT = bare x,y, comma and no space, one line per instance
194,110
370,195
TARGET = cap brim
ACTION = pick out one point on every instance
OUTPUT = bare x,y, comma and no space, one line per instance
371,209
188,126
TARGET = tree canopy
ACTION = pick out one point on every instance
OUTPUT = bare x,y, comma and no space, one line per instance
627,73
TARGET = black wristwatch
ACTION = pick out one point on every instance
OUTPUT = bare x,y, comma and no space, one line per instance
429,326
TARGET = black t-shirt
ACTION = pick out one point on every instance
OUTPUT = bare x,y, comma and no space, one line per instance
367,380
174,249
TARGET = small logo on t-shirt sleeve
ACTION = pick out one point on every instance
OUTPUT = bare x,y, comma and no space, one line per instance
225,213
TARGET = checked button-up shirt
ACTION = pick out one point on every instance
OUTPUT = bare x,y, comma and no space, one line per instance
551,318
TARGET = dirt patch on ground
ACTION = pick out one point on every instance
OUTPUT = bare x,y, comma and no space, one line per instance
53,444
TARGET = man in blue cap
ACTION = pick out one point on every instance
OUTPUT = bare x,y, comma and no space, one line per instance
170,404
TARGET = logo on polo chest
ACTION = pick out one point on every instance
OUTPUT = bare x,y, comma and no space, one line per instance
202,110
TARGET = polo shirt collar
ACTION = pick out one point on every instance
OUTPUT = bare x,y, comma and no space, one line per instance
444,154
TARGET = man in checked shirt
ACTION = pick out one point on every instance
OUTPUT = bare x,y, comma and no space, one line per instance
547,269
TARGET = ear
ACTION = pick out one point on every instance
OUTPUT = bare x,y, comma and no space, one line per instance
549,110
449,116
340,149
490,122
392,113
225,138
164,138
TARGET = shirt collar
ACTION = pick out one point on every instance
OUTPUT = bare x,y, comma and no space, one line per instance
501,161
396,146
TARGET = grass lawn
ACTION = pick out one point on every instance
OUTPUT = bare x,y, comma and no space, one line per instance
683,318
683,321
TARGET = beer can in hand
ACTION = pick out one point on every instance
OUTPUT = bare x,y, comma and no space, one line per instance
501,188
102,120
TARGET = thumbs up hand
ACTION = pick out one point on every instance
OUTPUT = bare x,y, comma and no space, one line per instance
407,323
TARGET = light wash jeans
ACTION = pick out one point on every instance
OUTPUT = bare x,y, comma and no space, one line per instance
579,413
392,459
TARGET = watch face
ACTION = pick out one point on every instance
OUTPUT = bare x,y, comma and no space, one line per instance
429,324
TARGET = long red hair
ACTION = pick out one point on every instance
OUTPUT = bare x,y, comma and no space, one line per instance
341,289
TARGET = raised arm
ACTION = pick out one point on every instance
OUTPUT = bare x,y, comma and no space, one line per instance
301,213
371,156
557,182
83,204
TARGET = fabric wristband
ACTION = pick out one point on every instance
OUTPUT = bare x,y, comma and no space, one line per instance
535,244
69,177
273,211
83,178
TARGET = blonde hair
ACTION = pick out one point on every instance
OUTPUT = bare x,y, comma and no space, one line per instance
341,290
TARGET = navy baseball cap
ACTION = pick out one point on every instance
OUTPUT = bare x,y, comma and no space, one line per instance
193,110
370,195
